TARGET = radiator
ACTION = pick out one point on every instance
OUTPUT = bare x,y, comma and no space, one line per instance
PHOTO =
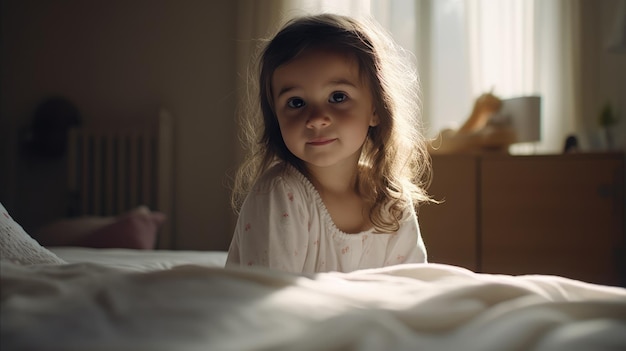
112,169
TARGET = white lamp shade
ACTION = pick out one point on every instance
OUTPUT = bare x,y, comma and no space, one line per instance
524,115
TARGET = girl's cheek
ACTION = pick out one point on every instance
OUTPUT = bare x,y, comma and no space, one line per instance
292,119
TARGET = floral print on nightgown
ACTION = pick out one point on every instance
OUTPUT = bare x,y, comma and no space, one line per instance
284,225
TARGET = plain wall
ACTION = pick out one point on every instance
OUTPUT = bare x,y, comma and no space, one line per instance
603,73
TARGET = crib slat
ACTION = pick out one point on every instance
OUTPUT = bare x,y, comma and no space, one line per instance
121,172
146,172
133,171
97,174
72,166
85,174
109,190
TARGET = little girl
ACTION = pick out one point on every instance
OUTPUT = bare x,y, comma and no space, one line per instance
336,161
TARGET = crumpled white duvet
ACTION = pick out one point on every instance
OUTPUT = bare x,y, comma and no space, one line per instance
407,307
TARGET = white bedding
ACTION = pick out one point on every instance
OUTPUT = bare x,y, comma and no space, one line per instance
140,260
87,306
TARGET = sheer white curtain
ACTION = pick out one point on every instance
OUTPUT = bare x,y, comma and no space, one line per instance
503,51
501,38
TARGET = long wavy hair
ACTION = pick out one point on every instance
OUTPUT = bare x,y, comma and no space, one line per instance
394,164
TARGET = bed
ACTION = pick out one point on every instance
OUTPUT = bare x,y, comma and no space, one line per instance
70,298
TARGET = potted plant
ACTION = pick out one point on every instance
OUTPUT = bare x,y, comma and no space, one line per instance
607,120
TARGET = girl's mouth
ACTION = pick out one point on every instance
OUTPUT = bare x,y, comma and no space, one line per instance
321,142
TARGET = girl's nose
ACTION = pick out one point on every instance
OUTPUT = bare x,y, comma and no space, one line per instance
318,119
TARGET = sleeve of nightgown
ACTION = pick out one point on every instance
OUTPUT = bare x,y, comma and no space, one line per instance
272,230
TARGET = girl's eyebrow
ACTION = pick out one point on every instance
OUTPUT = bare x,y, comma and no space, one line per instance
342,81
285,90
332,82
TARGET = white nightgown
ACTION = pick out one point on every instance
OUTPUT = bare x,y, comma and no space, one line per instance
284,225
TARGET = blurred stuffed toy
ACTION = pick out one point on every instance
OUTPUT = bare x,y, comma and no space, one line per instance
480,132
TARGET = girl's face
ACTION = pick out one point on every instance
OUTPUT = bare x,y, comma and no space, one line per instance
324,108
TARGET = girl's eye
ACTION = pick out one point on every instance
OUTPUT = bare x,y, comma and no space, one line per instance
295,103
338,97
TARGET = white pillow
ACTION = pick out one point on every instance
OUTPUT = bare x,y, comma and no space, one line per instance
18,247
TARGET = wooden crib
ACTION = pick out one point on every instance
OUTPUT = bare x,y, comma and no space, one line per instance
116,167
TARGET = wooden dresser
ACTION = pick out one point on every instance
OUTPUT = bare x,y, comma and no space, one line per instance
543,214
